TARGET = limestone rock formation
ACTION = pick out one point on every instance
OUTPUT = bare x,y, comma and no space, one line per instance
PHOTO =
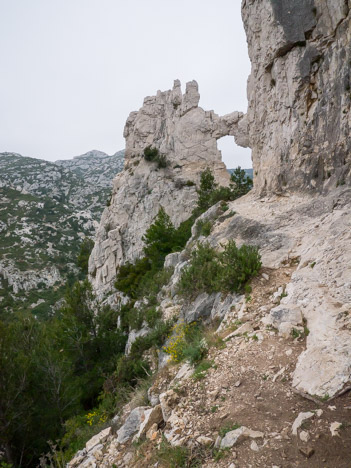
299,93
187,136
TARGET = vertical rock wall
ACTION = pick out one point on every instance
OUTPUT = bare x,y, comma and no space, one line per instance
299,93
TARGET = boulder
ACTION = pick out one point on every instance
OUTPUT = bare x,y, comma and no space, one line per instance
132,424
232,437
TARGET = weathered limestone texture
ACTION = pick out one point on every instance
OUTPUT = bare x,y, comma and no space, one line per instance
315,231
187,135
299,93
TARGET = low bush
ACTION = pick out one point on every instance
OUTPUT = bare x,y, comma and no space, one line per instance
203,228
172,457
153,155
209,193
202,273
238,266
130,275
186,342
155,338
210,271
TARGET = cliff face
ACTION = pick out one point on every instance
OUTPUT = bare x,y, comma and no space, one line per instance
299,93
187,136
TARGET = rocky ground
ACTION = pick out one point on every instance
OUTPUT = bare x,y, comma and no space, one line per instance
248,386
276,393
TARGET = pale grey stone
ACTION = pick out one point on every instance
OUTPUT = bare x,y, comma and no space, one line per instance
132,424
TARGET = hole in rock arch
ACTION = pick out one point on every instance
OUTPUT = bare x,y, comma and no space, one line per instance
234,155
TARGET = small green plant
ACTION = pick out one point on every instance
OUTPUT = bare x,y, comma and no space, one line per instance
203,228
83,257
186,343
224,206
152,315
109,199
153,155
228,428
172,457
295,333
162,162
219,454
255,337
201,370
340,182
312,265
214,409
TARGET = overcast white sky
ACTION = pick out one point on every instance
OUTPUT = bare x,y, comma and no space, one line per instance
72,70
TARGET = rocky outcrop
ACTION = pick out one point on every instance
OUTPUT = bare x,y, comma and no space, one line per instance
187,136
299,93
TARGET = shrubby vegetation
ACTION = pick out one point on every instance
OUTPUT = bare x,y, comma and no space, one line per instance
160,239
52,371
210,193
153,155
163,238
65,377
210,271
84,253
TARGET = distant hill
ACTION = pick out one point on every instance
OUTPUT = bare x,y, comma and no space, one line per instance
46,209
249,172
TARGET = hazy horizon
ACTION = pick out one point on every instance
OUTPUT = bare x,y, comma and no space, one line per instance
72,72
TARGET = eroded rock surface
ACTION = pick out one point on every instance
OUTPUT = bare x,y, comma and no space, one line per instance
187,136
299,95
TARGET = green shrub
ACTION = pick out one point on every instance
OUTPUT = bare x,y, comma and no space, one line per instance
159,238
241,183
210,271
196,347
209,193
182,234
130,370
202,273
206,190
155,338
238,266
84,253
152,315
153,155
162,161
203,228
130,275
186,342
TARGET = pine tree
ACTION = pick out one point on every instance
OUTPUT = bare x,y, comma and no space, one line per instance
159,238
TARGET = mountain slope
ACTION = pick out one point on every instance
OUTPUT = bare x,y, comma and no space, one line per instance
46,209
